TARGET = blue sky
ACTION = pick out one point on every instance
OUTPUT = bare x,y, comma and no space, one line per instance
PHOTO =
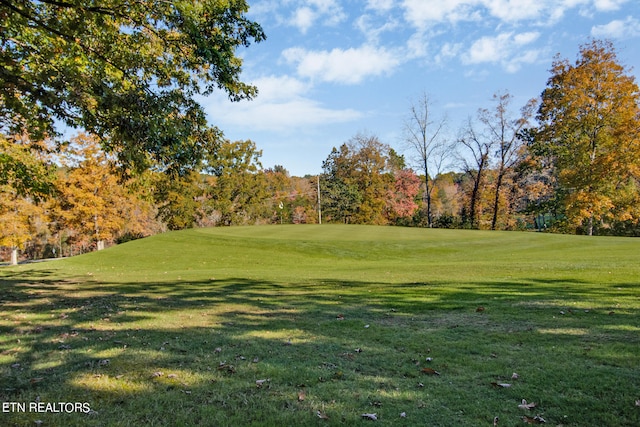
331,69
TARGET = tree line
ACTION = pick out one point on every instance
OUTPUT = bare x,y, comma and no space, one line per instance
568,161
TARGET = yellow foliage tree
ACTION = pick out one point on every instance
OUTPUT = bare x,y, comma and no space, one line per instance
24,179
92,203
590,129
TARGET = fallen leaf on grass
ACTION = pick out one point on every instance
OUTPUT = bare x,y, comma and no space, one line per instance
500,385
36,380
217,350
172,376
227,368
157,374
103,362
403,415
479,309
495,421
525,405
260,383
372,417
429,371
340,317
638,402
515,376
301,396
322,415
535,420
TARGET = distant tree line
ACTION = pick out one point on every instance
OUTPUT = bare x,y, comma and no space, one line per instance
566,162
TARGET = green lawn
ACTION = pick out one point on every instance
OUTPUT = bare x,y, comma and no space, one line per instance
182,328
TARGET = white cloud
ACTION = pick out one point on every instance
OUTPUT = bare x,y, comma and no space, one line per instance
448,51
525,38
608,5
373,30
422,13
380,5
617,29
345,66
278,88
505,48
515,10
328,12
282,105
488,49
303,19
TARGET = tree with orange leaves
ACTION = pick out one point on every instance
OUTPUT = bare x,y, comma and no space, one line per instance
590,132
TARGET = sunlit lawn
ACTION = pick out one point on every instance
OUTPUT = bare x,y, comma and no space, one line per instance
317,325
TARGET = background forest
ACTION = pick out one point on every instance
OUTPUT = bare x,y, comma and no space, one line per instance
566,162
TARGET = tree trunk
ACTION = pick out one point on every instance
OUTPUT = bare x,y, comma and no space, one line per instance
427,193
14,256
474,200
496,201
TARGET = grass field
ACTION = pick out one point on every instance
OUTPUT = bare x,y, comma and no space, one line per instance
318,325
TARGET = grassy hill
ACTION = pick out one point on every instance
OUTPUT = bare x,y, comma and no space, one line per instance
317,325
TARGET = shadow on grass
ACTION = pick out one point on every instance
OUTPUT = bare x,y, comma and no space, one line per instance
187,353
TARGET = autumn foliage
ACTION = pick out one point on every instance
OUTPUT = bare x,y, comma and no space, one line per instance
567,162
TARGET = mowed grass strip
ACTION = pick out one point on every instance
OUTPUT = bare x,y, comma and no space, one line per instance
317,325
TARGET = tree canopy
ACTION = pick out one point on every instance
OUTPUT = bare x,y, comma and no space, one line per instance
127,71
590,130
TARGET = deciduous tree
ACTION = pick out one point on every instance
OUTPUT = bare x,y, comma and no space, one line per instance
128,71
401,198
504,131
238,191
92,202
25,179
589,126
479,147
425,137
